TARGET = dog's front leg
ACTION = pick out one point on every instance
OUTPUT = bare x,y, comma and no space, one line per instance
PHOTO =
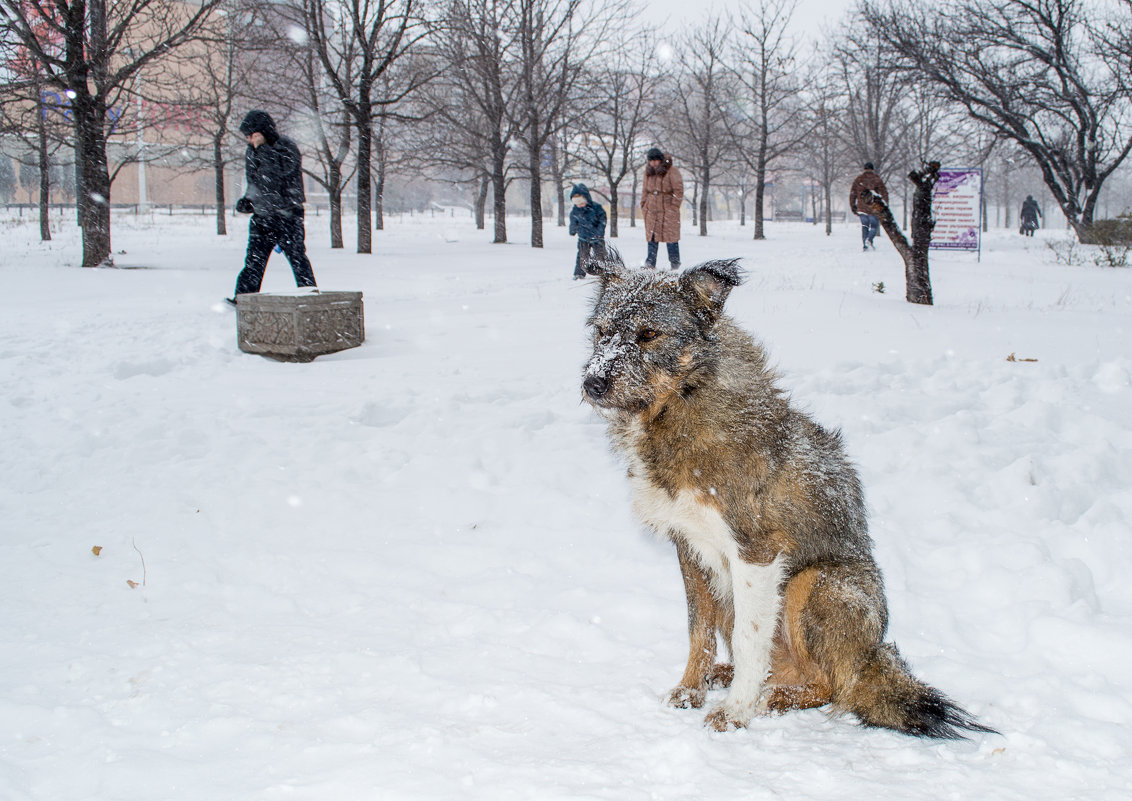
693,686
756,594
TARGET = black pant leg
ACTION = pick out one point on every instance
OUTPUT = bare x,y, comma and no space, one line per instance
650,259
598,251
262,237
293,242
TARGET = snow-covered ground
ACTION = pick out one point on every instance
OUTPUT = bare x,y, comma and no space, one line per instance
410,570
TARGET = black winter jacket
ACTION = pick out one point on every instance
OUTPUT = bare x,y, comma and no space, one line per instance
587,221
274,170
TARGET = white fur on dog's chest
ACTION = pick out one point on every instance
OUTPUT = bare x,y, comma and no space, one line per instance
752,590
697,523
691,517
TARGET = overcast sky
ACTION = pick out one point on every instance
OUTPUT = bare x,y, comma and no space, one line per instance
809,17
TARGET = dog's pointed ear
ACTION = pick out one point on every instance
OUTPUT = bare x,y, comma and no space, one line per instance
607,269
709,284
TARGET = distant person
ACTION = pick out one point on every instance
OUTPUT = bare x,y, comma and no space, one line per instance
868,181
587,221
1029,215
274,198
661,199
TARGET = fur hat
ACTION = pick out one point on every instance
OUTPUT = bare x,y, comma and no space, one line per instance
654,154
869,165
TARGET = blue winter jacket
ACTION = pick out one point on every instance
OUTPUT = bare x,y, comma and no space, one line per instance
587,221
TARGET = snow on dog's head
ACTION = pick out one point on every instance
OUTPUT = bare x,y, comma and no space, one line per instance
651,330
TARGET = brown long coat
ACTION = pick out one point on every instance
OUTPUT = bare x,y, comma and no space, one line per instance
661,198
868,180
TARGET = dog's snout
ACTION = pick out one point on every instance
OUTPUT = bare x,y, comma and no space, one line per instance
596,385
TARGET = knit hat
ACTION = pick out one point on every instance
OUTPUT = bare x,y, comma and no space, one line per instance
655,154
869,165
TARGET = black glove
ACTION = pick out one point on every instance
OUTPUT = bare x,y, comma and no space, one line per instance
244,206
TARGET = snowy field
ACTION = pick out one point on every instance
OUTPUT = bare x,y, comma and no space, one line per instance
410,570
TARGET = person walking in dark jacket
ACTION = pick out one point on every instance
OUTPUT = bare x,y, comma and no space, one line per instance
587,221
274,197
1030,214
866,182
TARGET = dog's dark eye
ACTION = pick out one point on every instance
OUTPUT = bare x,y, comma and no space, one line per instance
647,335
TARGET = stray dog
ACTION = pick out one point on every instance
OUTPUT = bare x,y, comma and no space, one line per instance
765,509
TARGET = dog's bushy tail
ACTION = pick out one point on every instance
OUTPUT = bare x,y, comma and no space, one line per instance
887,695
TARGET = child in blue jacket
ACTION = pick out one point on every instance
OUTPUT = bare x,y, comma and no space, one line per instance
587,220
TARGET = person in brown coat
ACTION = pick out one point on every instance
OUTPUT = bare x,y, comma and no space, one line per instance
868,181
661,199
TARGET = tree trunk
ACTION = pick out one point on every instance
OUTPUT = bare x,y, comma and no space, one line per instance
89,113
704,203
79,184
633,205
612,210
334,196
379,179
365,184
559,181
535,169
44,170
760,203
218,173
915,255
828,209
499,196
379,196
481,202
94,197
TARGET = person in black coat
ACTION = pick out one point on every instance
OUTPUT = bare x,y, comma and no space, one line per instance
274,197
1030,213
587,221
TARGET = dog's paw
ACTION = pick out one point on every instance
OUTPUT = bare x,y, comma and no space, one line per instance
720,677
687,697
731,715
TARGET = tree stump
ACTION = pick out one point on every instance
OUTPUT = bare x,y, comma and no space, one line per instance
918,284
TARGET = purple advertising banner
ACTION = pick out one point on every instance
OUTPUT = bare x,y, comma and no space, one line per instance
957,207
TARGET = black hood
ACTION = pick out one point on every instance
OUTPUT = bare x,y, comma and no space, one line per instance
260,121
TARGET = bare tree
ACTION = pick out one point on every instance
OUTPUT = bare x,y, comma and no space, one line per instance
700,91
332,133
874,119
25,115
90,50
216,78
480,46
612,134
825,151
918,285
557,37
1032,71
769,121
380,33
